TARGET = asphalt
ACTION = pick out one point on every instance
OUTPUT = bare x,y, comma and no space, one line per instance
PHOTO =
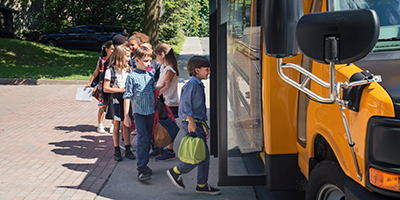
49,147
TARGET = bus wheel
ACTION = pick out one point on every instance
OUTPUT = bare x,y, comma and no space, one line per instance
326,182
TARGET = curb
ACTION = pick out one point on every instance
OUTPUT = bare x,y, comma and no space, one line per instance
32,81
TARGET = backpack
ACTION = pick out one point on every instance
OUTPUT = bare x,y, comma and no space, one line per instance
106,96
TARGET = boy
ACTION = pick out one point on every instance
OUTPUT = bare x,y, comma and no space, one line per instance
192,109
139,89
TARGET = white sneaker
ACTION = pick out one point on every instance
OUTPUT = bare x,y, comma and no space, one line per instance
111,128
100,129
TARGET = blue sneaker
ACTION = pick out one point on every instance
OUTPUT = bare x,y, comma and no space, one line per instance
156,152
166,155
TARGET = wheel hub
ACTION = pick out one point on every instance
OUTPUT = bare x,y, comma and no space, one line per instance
330,192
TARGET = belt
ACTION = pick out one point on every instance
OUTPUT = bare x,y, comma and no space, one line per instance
198,121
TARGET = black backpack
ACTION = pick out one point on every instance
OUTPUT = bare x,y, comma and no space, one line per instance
104,95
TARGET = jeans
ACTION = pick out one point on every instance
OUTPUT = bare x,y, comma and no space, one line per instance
203,166
144,128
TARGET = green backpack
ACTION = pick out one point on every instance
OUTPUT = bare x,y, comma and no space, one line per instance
192,149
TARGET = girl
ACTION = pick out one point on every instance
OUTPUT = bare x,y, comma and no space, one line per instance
114,83
169,72
107,50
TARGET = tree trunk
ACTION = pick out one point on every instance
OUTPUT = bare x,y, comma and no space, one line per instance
151,19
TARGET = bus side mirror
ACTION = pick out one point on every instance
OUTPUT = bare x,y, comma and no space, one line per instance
279,24
341,37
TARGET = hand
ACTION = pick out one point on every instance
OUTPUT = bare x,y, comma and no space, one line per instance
192,127
122,90
206,131
127,121
88,85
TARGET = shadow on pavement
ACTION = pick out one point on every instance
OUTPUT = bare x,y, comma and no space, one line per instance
80,128
90,158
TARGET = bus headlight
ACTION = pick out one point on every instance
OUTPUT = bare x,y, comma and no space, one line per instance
384,180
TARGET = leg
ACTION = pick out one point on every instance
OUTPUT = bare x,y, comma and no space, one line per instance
117,153
116,133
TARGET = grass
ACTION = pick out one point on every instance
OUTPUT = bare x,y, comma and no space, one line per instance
24,59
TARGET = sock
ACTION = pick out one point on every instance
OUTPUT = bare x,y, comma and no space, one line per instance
201,185
176,170
170,150
117,149
100,125
128,147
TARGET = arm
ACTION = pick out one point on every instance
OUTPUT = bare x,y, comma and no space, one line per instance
168,77
109,89
95,73
127,119
167,84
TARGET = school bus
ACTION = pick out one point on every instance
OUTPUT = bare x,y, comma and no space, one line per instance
305,95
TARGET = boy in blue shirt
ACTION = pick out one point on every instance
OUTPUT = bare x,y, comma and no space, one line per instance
192,109
139,94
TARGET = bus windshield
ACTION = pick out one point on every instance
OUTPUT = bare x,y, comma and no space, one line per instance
389,18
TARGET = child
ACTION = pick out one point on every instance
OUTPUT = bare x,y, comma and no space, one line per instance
139,90
155,65
192,109
118,71
133,44
106,51
169,71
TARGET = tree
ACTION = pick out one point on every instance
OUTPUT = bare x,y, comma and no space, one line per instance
151,19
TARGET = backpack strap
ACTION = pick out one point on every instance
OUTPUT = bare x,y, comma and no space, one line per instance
112,70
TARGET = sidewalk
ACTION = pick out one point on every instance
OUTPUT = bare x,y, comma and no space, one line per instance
49,148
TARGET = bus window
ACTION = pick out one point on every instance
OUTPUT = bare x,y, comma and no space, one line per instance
389,18
245,138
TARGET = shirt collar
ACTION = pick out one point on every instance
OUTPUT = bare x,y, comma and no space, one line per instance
139,71
198,81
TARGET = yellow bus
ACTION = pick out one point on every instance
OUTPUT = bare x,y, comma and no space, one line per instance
305,96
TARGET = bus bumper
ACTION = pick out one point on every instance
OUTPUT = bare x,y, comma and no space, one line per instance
354,191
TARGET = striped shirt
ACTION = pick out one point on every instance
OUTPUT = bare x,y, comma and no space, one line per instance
139,87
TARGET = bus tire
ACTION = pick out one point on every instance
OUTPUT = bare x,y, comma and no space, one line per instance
326,181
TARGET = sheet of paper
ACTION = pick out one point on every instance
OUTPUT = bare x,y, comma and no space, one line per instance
83,94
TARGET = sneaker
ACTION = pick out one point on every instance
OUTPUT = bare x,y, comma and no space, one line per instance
207,190
176,179
130,155
144,175
101,129
155,152
117,156
134,132
166,155
149,171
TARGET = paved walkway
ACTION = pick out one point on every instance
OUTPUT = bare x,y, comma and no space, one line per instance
49,149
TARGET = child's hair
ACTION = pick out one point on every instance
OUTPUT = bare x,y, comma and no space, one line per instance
141,36
169,55
196,62
136,39
146,44
118,57
103,48
142,51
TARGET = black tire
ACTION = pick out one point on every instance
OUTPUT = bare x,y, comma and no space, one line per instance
52,43
326,182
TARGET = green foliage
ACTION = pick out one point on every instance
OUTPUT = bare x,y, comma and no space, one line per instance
23,59
61,14
183,17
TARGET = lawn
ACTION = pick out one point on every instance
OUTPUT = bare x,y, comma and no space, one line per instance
24,59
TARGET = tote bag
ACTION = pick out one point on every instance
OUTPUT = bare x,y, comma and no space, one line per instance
192,149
